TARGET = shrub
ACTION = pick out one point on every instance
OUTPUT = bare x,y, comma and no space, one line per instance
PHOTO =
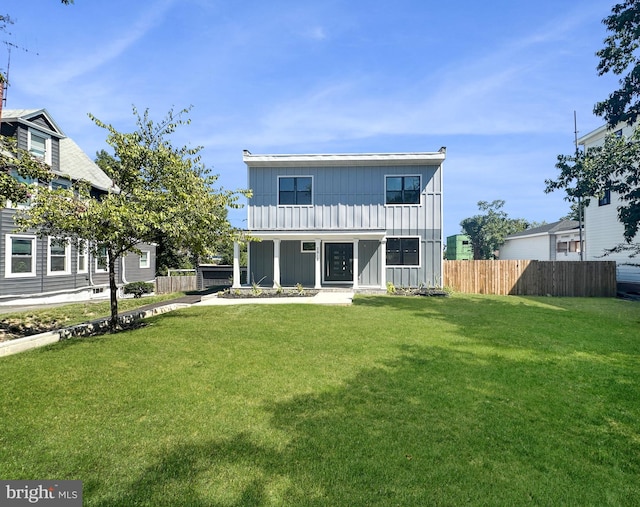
139,288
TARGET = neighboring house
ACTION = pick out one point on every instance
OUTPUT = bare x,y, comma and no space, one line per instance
345,220
603,229
459,248
41,268
559,241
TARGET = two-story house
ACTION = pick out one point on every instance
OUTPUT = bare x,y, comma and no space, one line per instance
603,228
345,220
46,269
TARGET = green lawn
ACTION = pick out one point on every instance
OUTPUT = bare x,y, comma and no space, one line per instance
468,400
38,320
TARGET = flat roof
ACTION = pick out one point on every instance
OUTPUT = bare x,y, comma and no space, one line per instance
344,159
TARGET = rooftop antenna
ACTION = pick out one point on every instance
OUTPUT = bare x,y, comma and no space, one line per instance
10,46
575,134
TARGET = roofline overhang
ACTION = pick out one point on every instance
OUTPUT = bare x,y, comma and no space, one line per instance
344,159
26,120
575,230
322,235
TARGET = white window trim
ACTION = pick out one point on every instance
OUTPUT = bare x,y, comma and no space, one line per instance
8,250
67,259
96,269
47,144
419,203
295,176
83,252
419,265
147,264
302,250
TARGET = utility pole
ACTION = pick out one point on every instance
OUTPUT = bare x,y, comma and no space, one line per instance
575,134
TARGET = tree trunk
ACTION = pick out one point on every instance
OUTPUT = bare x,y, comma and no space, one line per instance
113,293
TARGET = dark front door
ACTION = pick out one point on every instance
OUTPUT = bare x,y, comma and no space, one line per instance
338,262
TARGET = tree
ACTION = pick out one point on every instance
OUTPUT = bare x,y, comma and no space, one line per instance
161,191
620,56
613,167
487,231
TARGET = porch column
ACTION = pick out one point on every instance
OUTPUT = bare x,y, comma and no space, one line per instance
355,264
236,265
383,263
318,277
276,263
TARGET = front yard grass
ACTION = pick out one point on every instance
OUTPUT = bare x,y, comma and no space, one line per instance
48,318
468,400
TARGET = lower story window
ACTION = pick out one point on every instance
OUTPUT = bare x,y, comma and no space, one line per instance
58,256
403,251
144,260
20,256
102,265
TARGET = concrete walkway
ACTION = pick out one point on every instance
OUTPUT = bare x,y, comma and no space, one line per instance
321,298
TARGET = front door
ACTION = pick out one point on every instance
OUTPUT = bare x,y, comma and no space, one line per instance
338,262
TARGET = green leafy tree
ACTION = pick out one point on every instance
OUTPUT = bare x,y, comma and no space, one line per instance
620,56
613,166
487,231
161,191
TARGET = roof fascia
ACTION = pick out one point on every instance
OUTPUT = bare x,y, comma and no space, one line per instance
347,160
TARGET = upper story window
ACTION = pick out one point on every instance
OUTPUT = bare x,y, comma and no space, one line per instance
40,145
58,184
295,190
402,189
605,199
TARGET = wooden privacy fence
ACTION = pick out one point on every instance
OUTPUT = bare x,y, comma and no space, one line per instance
532,278
168,284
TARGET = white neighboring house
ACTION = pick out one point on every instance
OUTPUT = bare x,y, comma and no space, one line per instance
559,241
603,229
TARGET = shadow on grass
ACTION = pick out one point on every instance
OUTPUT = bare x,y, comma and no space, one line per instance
432,427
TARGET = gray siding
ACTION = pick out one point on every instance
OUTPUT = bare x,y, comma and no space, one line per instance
132,269
345,198
295,266
261,266
369,263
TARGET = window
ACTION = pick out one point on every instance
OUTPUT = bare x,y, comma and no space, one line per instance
403,251
144,260
26,181
402,190
605,199
40,145
58,184
82,256
102,265
58,257
295,190
562,247
20,256
308,247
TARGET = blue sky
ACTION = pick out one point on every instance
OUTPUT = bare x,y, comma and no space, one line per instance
495,82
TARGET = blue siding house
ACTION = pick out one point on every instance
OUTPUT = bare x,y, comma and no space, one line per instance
42,269
345,220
